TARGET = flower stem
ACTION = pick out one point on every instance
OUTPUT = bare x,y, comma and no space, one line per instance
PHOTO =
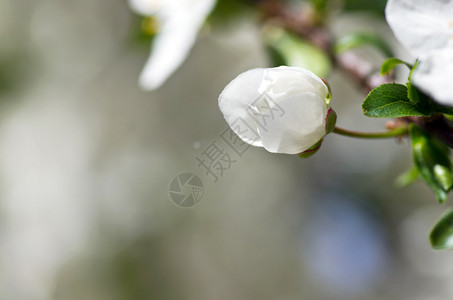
372,135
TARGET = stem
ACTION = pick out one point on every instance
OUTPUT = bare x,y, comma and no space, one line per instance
372,135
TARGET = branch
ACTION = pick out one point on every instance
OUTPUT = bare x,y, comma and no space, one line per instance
308,27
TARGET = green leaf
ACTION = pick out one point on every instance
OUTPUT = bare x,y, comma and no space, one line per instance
443,176
413,69
288,49
390,101
415,96
359,39
431,158
407,177
375,6
228,12
391,63
319,5
424,102
445,110
441,236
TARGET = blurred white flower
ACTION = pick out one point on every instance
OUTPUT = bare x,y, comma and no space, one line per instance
281,109
434,76
425,28
181,21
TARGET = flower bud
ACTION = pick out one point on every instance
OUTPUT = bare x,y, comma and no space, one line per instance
282,109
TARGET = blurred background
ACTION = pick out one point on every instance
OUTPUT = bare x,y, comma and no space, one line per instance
86,159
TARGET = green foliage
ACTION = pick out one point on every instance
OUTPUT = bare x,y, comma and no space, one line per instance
443,176
441,236
228,11
415,96
319,5
432,160
321,10
360,39
288,49
144,30
375,6
391,101
391,63
407,178
413,69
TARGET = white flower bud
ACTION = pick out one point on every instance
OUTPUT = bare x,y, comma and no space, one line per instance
281,109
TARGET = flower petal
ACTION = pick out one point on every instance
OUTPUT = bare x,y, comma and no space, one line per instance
235,102
301,126
180,25
146,7
420,25
292,80
434,76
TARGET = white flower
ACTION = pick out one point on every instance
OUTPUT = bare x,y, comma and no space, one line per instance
281,109
181,21
434,76
425,28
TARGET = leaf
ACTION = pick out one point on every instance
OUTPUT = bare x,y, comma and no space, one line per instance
228,12
413,69
441,236
424,102
359,39
431,158
444,110
287,49
415,96
390,101
443,176
391,63
407,177
375,6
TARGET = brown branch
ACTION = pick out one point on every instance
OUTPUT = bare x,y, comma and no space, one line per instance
307,26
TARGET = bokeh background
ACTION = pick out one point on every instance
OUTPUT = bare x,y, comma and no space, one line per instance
86,159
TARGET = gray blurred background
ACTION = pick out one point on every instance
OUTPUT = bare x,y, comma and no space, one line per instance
86,159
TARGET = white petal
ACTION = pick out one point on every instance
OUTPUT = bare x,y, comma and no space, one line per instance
434,76
301,126
421,25
151,7
172,45
235,102
291,80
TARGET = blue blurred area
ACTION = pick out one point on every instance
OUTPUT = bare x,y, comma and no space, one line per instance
345,245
